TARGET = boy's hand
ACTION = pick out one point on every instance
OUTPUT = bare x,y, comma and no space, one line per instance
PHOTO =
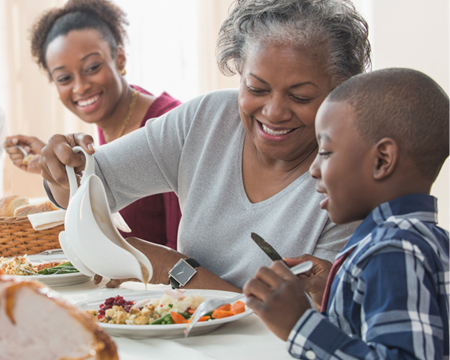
277,297
315,280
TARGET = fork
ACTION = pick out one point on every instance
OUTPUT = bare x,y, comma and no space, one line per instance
51,252
210,305
25,154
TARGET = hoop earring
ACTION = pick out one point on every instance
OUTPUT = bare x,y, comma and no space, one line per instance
123,72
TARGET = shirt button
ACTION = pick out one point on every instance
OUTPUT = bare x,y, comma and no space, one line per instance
311,355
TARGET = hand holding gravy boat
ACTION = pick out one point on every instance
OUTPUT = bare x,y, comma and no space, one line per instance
91,241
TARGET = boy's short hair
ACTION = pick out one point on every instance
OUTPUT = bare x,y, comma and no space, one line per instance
405,105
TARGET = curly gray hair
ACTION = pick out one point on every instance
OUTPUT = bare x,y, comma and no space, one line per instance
332,28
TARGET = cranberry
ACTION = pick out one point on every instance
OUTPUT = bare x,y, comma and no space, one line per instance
112,301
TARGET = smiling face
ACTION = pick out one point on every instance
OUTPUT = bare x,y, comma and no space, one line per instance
281,90
85,74
344,165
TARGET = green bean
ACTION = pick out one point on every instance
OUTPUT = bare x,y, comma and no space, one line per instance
161,320
186,315
65,268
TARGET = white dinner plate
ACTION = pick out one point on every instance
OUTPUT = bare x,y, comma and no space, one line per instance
52,280
164,331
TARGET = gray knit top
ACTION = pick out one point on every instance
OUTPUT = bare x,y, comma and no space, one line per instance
195,150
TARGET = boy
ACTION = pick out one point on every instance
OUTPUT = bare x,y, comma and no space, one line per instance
383,137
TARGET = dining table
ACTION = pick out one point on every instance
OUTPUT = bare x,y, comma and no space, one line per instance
246,338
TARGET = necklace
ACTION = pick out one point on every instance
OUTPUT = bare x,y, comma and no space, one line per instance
130,112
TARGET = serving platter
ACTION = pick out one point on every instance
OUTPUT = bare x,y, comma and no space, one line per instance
52,280
164,331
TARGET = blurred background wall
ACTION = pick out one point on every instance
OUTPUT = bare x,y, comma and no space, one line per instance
171,48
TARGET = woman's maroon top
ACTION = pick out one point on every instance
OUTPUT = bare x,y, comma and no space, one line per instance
154,218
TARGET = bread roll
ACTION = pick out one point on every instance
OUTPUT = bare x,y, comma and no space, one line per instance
26,160
32,317
35,208
10,203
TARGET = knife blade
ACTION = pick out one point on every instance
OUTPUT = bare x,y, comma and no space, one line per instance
266,247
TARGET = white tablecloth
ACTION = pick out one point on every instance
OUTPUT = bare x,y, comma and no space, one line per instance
247,338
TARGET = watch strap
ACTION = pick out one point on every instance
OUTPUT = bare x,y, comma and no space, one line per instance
192,262
175,284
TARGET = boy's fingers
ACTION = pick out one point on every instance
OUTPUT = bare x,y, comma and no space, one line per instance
254,303
300,259
320,266
260,285
257,294
273,276
280,268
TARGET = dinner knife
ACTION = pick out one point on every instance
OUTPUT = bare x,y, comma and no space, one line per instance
266,247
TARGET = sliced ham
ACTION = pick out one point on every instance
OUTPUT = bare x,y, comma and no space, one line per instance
177,294
36,323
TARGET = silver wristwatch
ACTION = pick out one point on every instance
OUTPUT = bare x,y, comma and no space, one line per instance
182,272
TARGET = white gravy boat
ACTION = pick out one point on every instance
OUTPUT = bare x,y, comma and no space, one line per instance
91,239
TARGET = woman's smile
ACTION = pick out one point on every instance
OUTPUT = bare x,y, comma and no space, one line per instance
89,104
274,134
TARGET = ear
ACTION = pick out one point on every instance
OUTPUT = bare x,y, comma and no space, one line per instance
121,59
386,158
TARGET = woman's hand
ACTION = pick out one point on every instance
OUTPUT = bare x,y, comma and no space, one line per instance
277,297
315,280
113,283
163,259
32,145
56,155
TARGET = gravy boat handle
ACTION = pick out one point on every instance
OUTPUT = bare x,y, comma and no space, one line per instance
88,170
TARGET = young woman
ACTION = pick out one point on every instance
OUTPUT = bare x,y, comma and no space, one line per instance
81,47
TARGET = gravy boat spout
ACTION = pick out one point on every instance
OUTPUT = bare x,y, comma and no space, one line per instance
94,238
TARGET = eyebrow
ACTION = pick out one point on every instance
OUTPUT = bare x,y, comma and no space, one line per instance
82,59
323,136
291,87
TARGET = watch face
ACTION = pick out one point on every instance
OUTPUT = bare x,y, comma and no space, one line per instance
182,272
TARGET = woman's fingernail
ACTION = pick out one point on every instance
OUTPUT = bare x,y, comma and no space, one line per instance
91,147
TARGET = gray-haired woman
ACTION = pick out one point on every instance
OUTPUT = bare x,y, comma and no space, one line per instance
238,159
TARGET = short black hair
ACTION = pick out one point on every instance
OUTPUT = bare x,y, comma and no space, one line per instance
405,105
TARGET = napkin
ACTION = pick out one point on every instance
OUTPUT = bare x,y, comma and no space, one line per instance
49,219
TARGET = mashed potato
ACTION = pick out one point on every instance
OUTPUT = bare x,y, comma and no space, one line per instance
168,303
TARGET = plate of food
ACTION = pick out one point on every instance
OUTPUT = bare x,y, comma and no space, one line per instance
161,314
51,269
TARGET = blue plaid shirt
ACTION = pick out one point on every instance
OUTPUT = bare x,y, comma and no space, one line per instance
389,299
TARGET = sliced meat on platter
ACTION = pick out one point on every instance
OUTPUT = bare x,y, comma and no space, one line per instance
36,323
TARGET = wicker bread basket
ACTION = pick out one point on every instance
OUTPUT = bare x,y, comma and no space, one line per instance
17,237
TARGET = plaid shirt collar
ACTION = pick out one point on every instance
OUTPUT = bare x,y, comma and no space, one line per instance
420,206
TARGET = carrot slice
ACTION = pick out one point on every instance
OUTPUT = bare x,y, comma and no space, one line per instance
226,307
238,307
178,318
219,314
203,318
191,311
